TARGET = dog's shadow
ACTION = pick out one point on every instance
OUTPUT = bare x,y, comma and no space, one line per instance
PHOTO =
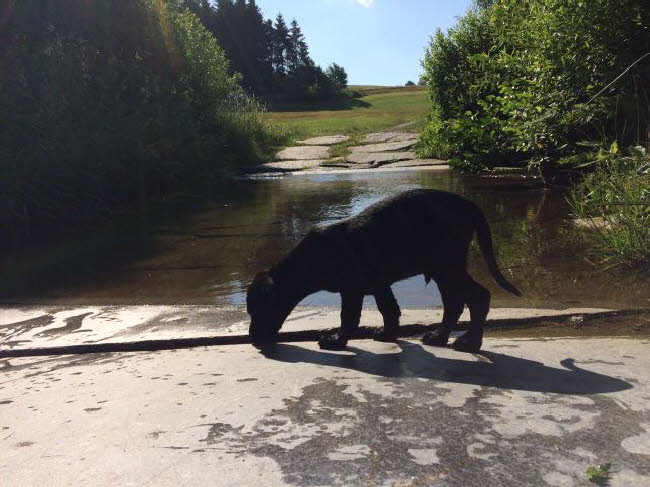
490,370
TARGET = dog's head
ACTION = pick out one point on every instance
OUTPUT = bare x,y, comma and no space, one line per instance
268,306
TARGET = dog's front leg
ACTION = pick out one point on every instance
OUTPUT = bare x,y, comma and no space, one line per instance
351,303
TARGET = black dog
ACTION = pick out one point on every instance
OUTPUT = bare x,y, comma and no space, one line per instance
417,232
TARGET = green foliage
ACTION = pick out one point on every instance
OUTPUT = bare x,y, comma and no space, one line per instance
615,200
108,103
515,82
337,76
271,56
599,474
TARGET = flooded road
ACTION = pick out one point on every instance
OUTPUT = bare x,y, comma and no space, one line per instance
210,254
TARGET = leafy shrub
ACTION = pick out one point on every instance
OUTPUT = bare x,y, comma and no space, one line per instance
515,82
108,103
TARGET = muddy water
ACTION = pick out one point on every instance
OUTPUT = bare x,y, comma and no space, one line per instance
208,255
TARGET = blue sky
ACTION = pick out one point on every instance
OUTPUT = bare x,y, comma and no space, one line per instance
379,42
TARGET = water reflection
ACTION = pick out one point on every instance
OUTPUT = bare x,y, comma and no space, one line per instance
210,255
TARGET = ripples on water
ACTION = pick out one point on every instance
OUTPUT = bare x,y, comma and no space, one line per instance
209,255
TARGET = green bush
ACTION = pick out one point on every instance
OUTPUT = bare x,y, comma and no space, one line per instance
514,82
615,200
109,103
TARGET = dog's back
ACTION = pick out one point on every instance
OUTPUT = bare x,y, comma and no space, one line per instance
416,232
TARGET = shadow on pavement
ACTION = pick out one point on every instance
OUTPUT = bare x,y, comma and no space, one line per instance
492,370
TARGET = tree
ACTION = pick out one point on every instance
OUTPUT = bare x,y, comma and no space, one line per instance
259,75
280,46
324,85
144,80
241,31
338,76
273,59
297,53
410,83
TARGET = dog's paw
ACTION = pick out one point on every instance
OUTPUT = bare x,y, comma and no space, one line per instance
384,336
333,341
435,338
468,343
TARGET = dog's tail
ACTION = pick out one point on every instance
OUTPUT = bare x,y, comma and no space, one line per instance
484,236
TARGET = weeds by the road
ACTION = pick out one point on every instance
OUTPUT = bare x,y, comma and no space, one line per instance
343,149
615,199
599,474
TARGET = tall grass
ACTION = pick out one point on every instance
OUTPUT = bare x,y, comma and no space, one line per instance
615,200
107,104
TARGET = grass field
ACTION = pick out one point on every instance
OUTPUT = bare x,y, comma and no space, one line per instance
365,87
377,90
376,111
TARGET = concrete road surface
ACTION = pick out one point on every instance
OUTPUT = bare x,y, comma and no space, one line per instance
523,412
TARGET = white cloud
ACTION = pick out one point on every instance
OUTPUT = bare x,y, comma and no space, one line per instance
366,3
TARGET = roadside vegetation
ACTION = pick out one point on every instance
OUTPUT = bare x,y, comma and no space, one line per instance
342,149
615,201
550,84
109,104
383,109
520,82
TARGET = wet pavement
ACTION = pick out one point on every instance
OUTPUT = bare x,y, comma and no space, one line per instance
30,327
523,412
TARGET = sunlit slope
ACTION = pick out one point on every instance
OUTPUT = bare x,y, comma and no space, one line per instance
391,107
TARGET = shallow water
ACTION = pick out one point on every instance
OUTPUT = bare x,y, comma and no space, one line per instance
209,255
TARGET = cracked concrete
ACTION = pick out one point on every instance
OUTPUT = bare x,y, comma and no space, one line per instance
304,153
380,158
383,137
325,140
524,412
299,165
379,149
384,147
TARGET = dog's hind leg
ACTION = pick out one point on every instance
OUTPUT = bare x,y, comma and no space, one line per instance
389,309
453,301
351,304
478,302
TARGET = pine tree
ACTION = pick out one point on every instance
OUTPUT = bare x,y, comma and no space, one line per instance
222,28
269,32
260,49
280,44
239,28
304,59
296,39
